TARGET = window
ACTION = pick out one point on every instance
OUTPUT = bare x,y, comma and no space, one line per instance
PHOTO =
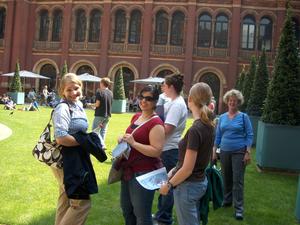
265,34
120,26
57,25
94,30
135,27
204,30
85,69
80,28
161,28
44,25
2,22
248,33
221,32
177,29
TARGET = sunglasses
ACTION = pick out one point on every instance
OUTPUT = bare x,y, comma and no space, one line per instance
147,98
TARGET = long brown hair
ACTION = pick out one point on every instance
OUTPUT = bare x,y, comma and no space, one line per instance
201,94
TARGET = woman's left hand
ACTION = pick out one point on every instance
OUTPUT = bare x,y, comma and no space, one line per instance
129,139
247,158
164,189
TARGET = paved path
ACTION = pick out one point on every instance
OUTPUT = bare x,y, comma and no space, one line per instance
5,132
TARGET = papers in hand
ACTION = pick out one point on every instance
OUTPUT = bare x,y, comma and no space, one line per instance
120,149
153,179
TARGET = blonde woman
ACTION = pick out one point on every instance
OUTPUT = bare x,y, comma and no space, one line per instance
194,154
69,118
234,137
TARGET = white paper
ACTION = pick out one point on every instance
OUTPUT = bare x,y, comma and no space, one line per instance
153,179
121,148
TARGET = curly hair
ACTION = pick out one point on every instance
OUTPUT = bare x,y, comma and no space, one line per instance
234,93
176,80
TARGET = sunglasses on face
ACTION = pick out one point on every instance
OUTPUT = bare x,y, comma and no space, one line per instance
147,98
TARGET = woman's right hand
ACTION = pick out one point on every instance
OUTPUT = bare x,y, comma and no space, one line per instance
214,155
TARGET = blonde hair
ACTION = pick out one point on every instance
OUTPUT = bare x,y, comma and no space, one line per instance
105,81
233,93
201,95
66,79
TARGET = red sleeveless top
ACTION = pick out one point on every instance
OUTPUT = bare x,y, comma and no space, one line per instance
138,162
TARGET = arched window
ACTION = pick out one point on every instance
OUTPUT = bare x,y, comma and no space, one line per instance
57,25
297,30
164,73
94,30
44,25
221,32
80,29
204,30
48,70
248,33
161,28
265,34
120,26
85,69
2,22
177,29
135,27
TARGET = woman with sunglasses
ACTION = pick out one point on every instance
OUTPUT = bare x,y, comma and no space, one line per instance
146,146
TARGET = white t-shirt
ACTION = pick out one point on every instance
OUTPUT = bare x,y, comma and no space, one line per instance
175,114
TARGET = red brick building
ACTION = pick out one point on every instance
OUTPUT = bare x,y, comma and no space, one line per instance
206,40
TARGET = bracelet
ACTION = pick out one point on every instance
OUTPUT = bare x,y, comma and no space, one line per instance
170,185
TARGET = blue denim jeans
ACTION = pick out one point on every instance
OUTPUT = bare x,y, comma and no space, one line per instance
136,202
166,202
187,197
103,130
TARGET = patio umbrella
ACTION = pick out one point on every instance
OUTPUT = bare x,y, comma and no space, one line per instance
26,74
89,78
149,80
86,77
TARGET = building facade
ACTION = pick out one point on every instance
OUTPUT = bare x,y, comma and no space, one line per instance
206,40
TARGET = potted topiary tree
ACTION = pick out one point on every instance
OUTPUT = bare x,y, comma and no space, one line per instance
248,82
278,133
119,101
258,93
240,80
64,69
15,88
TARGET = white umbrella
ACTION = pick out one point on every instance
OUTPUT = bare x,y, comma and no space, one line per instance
89,78
149,80
26,74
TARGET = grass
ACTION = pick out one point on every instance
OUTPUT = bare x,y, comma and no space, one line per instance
28,190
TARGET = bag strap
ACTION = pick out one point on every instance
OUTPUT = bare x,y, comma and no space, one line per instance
71,111
135,129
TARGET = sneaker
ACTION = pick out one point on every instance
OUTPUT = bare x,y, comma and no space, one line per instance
239,216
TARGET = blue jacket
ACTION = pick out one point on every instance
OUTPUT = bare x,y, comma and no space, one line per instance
79,175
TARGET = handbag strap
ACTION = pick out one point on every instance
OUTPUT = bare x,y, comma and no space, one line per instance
135,129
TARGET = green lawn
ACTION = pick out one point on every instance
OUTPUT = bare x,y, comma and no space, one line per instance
28,190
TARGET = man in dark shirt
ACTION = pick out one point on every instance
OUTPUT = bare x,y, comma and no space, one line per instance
103,108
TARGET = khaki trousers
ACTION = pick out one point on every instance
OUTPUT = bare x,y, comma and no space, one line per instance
69,211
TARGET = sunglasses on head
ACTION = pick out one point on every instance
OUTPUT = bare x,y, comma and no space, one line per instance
147,98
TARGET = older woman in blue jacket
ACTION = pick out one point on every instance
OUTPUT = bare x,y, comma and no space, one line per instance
234,138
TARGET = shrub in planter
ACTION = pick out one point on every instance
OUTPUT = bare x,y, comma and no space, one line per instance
240,80
282,106
15,88
119,101
258,93
248,82
64,70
